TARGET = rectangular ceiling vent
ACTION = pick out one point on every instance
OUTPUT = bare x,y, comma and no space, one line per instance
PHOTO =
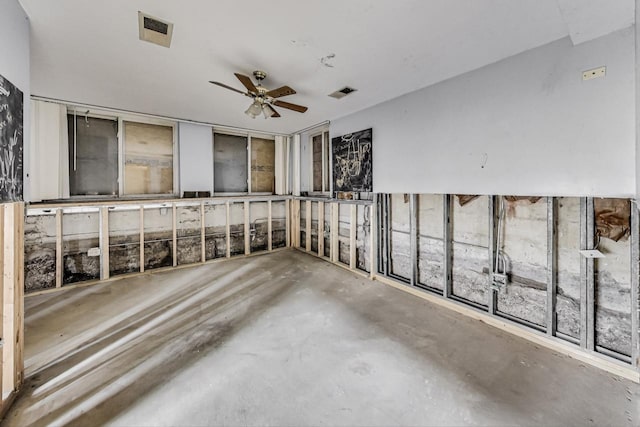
154,30
342,92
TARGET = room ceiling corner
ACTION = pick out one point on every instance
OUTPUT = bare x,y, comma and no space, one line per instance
589,19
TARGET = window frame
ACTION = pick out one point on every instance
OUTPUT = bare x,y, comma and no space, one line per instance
80,113
248,135
121,155
120,118
326,163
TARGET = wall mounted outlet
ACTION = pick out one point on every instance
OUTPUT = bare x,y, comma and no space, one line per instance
498,280
591,253
594,73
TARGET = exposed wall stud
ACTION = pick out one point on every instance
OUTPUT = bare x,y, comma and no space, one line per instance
335,230
59,249
413,238
373,237
269,226
493,253
387,234
635,283
104,243
320,228
447,234
12,296
141,239
247,228
583,273
228,228
287,214
203,245
590,285
307,228
552,264
295,223
353,226
174,218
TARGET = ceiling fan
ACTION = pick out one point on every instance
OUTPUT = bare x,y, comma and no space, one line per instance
263,99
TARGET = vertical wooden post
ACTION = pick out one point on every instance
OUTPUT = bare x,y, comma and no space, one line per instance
447,235
308,226
228,230
13,296
335,231
413,235
269,227
141,239
295,223
104,243
320,228
247,228
373,237
59,249
203,245
175,233
353,228
287,214
552,266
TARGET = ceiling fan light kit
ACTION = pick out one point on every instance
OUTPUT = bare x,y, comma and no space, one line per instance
254,110
263,99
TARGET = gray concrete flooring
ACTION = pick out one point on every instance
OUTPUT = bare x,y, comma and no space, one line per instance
287,339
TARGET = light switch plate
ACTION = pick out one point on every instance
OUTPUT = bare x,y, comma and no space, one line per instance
591,253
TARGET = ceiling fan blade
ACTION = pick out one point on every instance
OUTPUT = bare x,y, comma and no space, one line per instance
281,91
289,106
246,81
275,113
227,87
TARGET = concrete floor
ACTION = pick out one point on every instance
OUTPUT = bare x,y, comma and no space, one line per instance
288,339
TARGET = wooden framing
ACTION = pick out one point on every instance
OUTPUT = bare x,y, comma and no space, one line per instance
552,265
228,229
247,228
307,229
104,243
174,219
12,297
59,249
373,237
335,232
287,214
353,228
269,227
203,245
141,239
320,228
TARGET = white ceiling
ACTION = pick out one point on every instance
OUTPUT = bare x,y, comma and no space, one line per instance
88,51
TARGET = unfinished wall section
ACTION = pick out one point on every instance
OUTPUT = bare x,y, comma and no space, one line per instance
68,245
339,231
526,260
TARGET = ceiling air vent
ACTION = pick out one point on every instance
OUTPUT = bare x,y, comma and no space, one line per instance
154,30
342,92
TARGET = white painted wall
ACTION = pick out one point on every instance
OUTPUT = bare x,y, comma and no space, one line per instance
527,125
196,157
14,65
